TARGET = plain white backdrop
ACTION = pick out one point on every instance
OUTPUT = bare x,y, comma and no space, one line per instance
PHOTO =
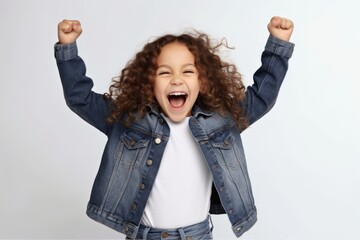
303,156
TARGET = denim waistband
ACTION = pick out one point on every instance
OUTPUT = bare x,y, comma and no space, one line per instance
185,233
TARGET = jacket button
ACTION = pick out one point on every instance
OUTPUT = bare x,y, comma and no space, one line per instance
157,140
126,229
161,120
164,234
149,162
226,142
238,229
142,186
133,207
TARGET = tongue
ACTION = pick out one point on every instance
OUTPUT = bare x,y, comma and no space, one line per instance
177,102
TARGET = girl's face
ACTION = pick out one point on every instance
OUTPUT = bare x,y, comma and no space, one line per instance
176,82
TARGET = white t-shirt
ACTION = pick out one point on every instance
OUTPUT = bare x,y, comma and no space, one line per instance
182,188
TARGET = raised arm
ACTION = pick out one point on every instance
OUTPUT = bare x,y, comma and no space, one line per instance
262,95
80,98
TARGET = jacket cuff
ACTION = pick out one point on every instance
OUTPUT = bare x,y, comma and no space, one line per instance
64,52
279,47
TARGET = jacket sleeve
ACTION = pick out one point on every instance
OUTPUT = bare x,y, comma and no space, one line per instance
77,87
262,95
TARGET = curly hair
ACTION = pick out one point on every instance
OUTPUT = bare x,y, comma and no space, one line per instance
223,88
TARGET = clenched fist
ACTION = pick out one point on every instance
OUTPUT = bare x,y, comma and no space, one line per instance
69,31
281,28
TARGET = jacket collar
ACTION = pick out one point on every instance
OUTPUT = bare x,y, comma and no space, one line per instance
196,111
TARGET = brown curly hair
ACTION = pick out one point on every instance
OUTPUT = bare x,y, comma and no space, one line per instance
222,85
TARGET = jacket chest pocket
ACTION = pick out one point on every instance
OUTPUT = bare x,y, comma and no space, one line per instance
131,149
225,148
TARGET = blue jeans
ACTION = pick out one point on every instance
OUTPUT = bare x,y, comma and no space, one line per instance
198,231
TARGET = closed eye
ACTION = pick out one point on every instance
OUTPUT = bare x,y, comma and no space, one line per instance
189,71
163,73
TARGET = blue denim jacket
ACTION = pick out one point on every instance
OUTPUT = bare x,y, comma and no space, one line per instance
132,155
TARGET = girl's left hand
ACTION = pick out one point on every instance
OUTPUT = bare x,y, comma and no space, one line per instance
281,28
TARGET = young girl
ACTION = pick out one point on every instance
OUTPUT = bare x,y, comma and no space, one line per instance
173,121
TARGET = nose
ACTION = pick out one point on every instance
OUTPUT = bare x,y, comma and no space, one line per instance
176,80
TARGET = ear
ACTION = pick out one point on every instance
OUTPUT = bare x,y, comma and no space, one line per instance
204,86
151,78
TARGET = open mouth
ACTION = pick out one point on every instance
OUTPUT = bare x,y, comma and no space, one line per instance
177,99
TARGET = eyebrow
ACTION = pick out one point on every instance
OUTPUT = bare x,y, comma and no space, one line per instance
183,66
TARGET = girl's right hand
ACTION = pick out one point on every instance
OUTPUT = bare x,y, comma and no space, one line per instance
69,31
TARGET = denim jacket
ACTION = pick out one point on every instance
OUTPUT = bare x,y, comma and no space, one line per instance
132,155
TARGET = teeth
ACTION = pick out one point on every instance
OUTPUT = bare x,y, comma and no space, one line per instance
177,94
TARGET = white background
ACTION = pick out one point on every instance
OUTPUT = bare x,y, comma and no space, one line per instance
303,156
